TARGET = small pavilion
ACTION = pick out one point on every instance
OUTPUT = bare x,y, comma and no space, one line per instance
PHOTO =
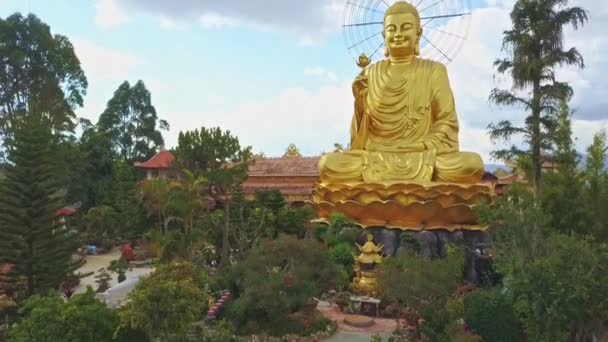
158,166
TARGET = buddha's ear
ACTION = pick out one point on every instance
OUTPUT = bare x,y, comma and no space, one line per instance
417,48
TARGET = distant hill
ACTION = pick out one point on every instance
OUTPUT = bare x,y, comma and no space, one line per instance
494,167
583,162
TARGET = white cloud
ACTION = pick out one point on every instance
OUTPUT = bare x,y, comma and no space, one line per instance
310,20
324,75
313,120
109,14
103,63
215,21
105,70
168,23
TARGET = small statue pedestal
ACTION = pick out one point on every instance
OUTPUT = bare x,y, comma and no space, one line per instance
366,305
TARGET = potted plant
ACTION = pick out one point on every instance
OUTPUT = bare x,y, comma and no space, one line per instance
120,266
103,280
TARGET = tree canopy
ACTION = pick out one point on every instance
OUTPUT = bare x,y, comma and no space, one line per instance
39,73
131,122
535,46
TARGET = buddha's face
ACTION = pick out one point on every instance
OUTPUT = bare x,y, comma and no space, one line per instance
402,32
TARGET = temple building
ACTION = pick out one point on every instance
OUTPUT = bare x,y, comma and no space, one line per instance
157,166
292,174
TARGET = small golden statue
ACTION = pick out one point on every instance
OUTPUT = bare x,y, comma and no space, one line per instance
365,281
404,168
292,151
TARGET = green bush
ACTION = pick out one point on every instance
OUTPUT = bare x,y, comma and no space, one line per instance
342,255
563,293
165,304
491,315
276,282
50,319
424,286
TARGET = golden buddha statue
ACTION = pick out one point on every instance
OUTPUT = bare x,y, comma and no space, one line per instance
404,168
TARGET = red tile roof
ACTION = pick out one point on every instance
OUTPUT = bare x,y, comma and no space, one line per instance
161,160
284,166
66,211
508,179
6,268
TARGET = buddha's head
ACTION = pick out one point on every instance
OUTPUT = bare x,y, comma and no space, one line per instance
402,30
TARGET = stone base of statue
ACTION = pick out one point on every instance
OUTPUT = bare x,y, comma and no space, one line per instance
414,206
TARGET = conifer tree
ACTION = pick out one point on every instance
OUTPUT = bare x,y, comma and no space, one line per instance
563,189
32,238
535,46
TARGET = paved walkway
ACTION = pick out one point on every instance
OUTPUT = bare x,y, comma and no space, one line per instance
351,336
95,262
346,333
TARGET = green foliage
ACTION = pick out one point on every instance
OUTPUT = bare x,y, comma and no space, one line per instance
31,236
340,229
424,286
208,152
596,192
278,278
294,220
270,199
39,73
342,255
100,223
563,190
50,319
557,295
223,331
519,227
119,266
535,45
376,337
490,313
97,164
131,123
165,304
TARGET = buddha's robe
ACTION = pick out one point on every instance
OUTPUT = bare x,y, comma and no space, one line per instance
404,128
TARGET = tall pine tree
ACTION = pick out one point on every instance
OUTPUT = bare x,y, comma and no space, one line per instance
563,189
32,238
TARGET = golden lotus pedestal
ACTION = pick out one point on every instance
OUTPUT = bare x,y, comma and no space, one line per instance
413,206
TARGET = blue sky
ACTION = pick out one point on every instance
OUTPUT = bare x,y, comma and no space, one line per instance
277,72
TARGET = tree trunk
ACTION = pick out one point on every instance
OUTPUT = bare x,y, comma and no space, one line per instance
536,138
225,242
30,270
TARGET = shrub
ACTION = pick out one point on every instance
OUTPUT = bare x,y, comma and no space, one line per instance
277,279
491,315
50,319
424,286
558,295
342,255
165,304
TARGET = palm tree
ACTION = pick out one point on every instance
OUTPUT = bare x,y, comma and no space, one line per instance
155,194
535,47
189,197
